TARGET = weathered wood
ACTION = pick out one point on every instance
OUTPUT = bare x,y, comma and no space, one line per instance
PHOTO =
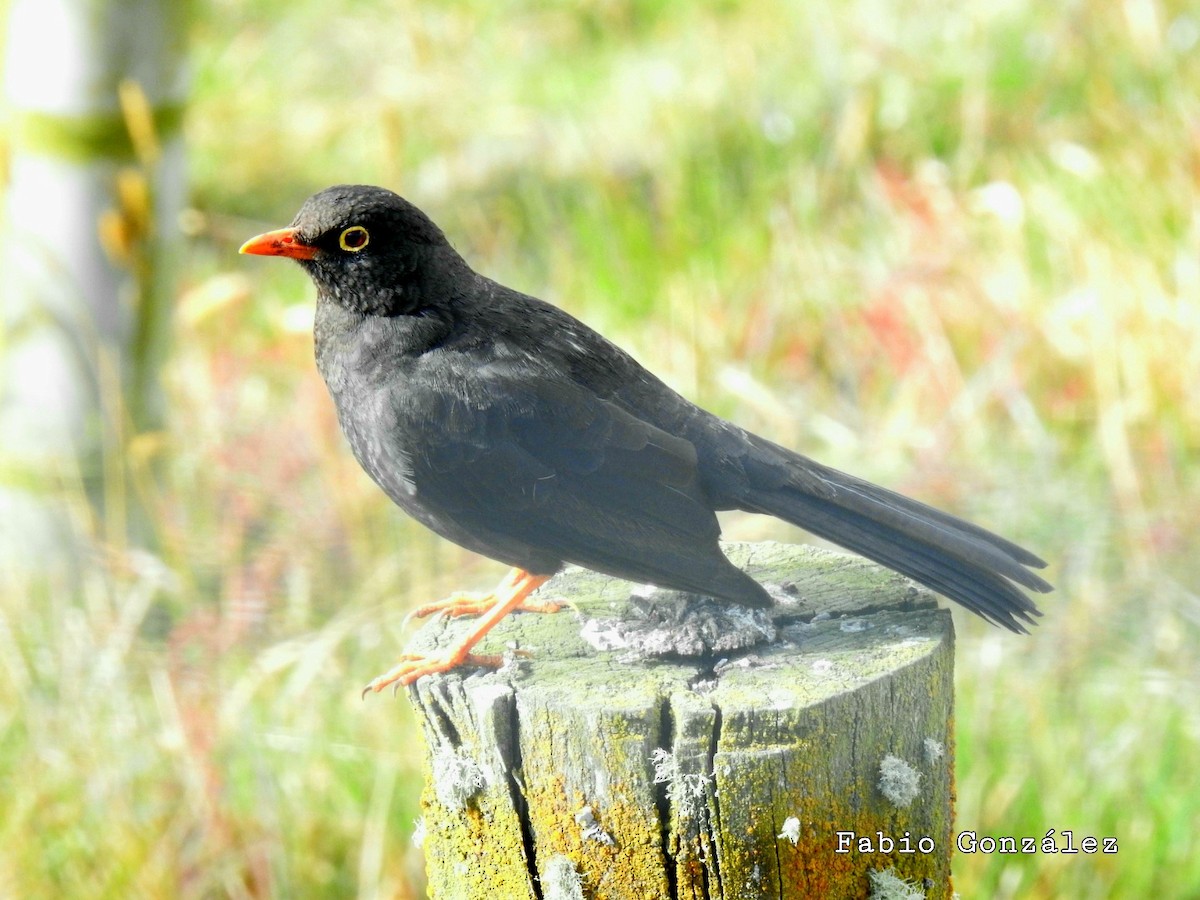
612,773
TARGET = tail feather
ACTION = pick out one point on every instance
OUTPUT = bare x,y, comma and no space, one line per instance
966,563
876,497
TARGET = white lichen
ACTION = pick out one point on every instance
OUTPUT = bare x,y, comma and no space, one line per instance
684,790
666,767
456,778
887,885
898,781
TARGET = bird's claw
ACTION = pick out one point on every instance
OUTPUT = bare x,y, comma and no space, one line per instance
417,665
460,604
419,613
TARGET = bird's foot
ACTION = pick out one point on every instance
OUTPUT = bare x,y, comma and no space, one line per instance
491,608
476,604
416,665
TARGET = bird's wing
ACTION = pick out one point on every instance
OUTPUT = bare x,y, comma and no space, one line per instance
544,461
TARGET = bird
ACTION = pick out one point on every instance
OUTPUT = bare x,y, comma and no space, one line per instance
508,426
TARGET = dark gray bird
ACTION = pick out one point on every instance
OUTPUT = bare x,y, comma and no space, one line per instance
511,428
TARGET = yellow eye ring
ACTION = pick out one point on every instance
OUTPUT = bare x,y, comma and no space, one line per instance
354,239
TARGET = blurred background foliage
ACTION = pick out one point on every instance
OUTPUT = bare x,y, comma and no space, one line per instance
953,248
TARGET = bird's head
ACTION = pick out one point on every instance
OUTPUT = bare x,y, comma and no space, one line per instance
366,249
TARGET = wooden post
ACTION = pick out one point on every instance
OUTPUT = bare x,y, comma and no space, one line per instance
597,768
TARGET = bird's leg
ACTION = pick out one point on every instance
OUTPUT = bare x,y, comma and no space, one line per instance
472,603
509,595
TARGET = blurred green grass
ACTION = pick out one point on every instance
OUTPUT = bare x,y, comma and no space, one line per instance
952,249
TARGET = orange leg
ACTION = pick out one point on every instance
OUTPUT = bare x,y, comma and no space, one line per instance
468,603
509,595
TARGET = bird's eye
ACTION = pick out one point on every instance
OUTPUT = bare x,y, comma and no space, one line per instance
353,238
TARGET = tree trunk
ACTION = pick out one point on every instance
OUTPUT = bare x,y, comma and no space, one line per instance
96,182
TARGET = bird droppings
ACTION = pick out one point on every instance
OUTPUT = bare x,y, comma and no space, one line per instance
822,665
561,880
590,829
934,750
887,885
791,830
456,778
419,832
898,781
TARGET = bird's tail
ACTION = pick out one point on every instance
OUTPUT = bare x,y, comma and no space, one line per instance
966,563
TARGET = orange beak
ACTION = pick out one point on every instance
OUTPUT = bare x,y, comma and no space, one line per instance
279,243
